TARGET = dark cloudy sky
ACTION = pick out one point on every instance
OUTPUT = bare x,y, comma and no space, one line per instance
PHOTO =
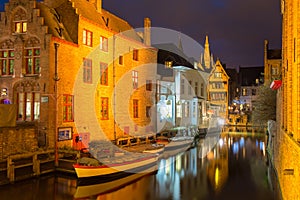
236,29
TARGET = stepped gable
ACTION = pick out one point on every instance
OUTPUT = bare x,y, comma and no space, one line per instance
54,22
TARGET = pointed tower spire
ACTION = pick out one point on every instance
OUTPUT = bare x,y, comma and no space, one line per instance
206,54
180,43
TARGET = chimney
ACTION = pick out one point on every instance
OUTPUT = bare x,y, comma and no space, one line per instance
147,31
99,5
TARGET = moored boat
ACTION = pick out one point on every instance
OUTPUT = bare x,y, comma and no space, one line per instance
175,145
123,164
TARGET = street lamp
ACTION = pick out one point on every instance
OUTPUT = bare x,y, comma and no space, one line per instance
56,79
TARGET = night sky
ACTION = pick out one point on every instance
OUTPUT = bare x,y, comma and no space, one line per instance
236,29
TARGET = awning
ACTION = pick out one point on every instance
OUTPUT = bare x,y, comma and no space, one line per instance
8,115
275,85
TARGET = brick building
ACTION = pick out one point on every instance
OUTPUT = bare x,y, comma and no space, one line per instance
286,147
60,63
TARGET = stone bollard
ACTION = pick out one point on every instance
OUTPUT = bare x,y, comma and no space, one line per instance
36,165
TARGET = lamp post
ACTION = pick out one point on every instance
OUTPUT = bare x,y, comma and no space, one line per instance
56,79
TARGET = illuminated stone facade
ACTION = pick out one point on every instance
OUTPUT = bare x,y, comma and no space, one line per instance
287,138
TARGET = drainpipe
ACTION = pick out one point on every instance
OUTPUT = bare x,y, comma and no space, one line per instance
114,87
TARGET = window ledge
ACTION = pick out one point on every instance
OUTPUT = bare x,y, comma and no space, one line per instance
31,75
6,76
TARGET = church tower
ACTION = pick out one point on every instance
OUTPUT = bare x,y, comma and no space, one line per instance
207,63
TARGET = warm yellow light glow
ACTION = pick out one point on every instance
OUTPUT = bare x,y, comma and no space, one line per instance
217,177
178,163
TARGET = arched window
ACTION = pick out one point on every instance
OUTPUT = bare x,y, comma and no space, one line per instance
27,95
19,21
32,53
7,58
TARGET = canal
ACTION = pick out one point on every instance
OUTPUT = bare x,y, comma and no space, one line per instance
228,166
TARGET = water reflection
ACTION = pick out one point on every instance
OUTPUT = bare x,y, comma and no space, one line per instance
220,167
45,187
226,166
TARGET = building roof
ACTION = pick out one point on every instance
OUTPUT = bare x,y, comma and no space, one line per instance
170,52
274,54
55,28
248,75
71,10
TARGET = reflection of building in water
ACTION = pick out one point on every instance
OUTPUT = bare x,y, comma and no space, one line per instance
242,128
217,168
191,176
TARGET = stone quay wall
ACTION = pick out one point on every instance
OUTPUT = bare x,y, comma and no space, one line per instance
17,140
287,164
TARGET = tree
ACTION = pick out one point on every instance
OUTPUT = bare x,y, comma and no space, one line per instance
264,107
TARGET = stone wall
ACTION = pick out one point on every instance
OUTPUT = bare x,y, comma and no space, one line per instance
17,140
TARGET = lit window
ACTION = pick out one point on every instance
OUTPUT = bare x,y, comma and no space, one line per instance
87,70
135,54
103,44
28,106
168,64
87,37
244,92
68,108
7,61
148,85
135,108
218,75
135,79
32,60
20,21
104,108
32,53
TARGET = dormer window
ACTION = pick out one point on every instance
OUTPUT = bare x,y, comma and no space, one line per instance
168,64
20,21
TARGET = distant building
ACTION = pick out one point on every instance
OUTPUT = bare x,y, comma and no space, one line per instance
218,89
250,78
272,64
233,85
181,94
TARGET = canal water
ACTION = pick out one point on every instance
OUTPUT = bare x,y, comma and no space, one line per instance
229,166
